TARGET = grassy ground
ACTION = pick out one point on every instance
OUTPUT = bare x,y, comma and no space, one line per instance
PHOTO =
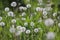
5,33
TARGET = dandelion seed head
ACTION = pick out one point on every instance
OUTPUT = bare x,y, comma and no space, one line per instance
23,29
17,33
10,13
7,9
26,24
13,20
2,24
50,35
27,31
13,4
12,29
32,24
36,30
28,5
49,22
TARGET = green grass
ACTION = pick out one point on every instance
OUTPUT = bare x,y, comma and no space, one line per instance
5,33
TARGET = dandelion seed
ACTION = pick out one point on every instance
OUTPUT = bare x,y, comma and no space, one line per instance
27,31
39,9
28,5
18,28
49,22
23,18
25,24
13,4
54,14
23,14
17,33
7,9
21,8
13,20
12,29
23,29
44,13
50,35
32,24
36,30
11,14
2,24
24,8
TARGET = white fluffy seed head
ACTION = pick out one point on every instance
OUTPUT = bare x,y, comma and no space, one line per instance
21,8
50,35
36,30
39,9
0,18
23,14
23,18
49,22
11,14
18,28
28,5
26,24
23,29
54,14
24,8
12,29
32,23
13,4
44,13
13,20
17,33
27,31
7,9
2,24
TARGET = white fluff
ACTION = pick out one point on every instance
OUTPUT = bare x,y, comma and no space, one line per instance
23,18
7,9
13,20
26,24
39,9
50,35
10,13
22,29
12,29
49,22
2,24
27,31
44,13
13,4
54,14
36,30
32,23
23,14
17,33
28,5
